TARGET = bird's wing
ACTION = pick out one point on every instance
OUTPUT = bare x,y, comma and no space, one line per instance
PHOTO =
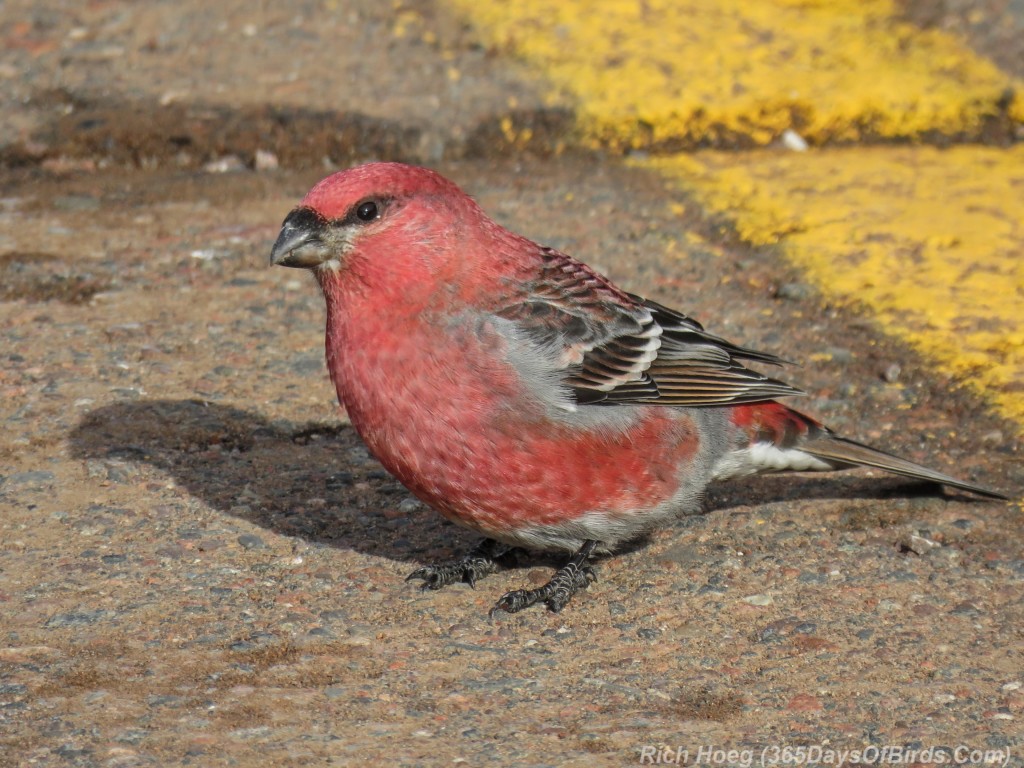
615,347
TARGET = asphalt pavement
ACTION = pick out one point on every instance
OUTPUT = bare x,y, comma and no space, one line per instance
201,565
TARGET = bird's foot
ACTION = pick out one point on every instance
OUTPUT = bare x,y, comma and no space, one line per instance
481,562
575,575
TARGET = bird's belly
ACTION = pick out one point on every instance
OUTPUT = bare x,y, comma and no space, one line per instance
478,445
540,482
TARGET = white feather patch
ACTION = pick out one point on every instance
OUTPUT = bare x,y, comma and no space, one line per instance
765,457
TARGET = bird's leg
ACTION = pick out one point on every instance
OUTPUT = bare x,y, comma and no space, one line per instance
481,561
575,575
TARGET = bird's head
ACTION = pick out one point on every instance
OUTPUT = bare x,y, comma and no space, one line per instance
387,225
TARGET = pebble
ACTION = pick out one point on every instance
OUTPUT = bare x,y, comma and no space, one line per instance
72,754
251,541
35,480
165,701
127,393
804,702
712,589
839,354
122,331
225,164
892,372
265,160
812,578
132,736
76,203
305,365
994,437
409,505
966,608
918,545
339,480
793,141
250,733
76,618
794,291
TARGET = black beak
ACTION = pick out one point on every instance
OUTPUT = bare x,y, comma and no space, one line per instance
300,243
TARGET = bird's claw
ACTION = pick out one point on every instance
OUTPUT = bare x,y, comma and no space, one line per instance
477,564
555,594
466,570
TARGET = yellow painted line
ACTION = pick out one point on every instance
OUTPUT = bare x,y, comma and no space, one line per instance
930,241
686,73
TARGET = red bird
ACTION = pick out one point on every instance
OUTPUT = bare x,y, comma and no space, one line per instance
523,395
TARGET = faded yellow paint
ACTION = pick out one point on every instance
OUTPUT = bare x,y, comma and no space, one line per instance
930,240
692,72
1016,110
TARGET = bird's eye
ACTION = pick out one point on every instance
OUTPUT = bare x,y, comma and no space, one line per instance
368,211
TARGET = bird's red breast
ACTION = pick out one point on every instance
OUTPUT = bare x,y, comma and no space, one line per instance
438,403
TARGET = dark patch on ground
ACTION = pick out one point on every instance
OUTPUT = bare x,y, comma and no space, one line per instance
706,705
89,133
149,135
39,277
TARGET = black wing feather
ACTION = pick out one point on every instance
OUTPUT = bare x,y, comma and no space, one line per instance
619,348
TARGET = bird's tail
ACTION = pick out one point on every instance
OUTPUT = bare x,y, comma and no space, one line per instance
774,438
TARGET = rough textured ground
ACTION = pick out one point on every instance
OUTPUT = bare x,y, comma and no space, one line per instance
200,565
994,27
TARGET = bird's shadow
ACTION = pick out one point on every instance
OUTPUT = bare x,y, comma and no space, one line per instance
316,481
311,480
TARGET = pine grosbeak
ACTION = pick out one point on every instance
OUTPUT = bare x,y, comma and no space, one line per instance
521,394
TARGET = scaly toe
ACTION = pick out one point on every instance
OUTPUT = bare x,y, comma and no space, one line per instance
432,578
515,601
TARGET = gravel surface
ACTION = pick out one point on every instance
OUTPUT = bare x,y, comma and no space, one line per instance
201,565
